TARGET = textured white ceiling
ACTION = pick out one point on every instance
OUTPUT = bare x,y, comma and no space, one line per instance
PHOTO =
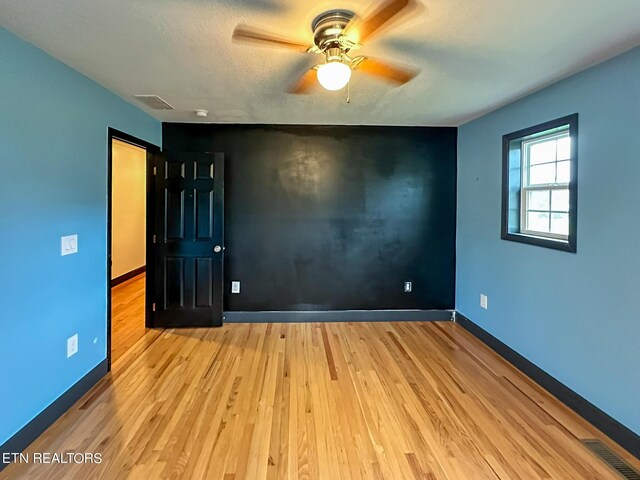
474,55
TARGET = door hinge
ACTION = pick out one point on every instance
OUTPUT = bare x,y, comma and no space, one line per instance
153,307
155,171
154,239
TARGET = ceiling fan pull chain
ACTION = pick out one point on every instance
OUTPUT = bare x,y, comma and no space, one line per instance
349,91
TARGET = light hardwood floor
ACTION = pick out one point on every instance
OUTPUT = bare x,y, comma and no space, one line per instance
319,401
127,315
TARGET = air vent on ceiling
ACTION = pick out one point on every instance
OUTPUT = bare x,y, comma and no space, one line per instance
612,459
153,101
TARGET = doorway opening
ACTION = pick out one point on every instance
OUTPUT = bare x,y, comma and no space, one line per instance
130,177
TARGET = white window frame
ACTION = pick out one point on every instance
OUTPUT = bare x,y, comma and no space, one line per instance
524,197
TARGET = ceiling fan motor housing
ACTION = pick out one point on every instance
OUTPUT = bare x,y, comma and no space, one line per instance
327,29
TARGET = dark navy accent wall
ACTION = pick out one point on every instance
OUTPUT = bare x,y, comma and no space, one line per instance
334,217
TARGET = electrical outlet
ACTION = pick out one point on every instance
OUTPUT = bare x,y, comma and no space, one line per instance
72,345
484,301
69,245
407,287
235,287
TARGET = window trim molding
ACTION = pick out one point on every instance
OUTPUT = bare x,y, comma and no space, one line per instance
570,244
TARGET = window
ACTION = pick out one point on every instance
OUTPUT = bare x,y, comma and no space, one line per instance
539,200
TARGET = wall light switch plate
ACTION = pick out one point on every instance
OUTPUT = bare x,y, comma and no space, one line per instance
235,287
72,345
484,301
407,287
69,245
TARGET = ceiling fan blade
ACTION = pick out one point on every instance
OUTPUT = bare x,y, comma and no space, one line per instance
361,28
245,33
387,71
305,83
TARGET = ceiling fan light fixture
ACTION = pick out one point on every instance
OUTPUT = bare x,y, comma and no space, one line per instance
334,75
334,36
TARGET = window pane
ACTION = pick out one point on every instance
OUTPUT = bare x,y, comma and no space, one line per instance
564,172
564,148
542,174
560,200
538,221
542,152
538,200
560,223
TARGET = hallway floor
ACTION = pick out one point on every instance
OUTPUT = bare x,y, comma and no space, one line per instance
127,315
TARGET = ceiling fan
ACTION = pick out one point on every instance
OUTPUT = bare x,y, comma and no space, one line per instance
335,34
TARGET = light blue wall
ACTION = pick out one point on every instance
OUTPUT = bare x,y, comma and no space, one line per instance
53,182
576,316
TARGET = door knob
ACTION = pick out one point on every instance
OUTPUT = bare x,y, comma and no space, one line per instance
217,249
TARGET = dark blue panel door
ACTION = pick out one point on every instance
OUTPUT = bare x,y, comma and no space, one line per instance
188,250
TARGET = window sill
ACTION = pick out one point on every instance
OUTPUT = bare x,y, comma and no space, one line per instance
563,245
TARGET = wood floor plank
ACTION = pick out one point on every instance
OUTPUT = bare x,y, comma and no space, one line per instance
336,401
